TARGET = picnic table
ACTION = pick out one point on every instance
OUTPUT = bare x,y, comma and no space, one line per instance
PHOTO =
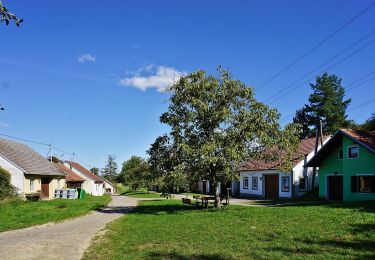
205,200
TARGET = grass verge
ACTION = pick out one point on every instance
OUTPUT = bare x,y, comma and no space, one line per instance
17,214
169,230
143,193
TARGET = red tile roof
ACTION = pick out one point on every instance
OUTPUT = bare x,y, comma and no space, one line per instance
365,137
306,146
84,171
70,176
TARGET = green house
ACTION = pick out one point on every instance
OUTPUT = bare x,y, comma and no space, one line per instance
347,166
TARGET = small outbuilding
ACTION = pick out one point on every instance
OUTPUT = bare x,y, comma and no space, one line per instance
347,166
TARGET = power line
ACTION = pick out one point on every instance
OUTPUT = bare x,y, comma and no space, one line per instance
363,104
323,64
25,140
45,144
360,82
294,43
322,42
273,99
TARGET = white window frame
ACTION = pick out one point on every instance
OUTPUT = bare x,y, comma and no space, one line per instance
32,185
347,151
253,187
243,183
282,183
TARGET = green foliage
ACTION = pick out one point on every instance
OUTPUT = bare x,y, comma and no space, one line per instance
20,214
216,123
170,230
7,16
110,170
95,170
326,103
369,125
55,159
135,173
6,189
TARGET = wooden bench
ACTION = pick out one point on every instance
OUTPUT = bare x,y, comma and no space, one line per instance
187,201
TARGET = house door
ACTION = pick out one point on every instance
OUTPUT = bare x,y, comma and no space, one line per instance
335,187
45,187
272,186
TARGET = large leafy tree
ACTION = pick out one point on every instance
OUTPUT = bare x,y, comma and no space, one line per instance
135,172
164,162
327,103
110,170
216,123
7,16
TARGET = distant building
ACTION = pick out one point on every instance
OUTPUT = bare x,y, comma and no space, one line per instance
30,172
93,184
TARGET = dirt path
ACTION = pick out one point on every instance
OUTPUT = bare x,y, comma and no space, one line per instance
65,240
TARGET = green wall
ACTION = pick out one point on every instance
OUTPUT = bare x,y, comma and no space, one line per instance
365,164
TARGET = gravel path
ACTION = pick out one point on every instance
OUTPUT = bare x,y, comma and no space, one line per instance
64,240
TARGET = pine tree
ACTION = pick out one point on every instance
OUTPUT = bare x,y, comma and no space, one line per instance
326,103
110,170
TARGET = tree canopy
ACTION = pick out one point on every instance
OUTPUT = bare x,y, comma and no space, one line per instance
135,173
95,170
216,123
7,16
110,170
326,103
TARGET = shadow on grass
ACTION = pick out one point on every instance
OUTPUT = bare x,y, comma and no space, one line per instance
178,256
167,209
362,206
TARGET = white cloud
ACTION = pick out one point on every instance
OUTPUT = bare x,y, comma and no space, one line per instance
156,77
3,125
86,57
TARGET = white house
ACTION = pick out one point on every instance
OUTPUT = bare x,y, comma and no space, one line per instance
263,179
205,187
30,172
93,184
109,188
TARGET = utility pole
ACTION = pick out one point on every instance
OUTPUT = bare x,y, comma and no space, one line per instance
318,136
50,152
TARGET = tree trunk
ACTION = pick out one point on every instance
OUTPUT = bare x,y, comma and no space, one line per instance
217,196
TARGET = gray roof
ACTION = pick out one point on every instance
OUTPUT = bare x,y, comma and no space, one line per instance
25,158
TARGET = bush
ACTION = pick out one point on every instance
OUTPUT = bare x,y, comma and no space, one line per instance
6,189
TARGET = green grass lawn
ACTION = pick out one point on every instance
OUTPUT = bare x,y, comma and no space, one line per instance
19,214
143,193
169,230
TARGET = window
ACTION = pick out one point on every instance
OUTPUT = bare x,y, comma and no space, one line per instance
363,183
303,183
353,152
341,154
245,182
254,183
285,183
31,185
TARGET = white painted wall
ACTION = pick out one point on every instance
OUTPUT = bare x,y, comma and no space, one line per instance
89,185
107,185
250,190
17,175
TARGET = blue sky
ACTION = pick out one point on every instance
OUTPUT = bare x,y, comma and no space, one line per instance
85,75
